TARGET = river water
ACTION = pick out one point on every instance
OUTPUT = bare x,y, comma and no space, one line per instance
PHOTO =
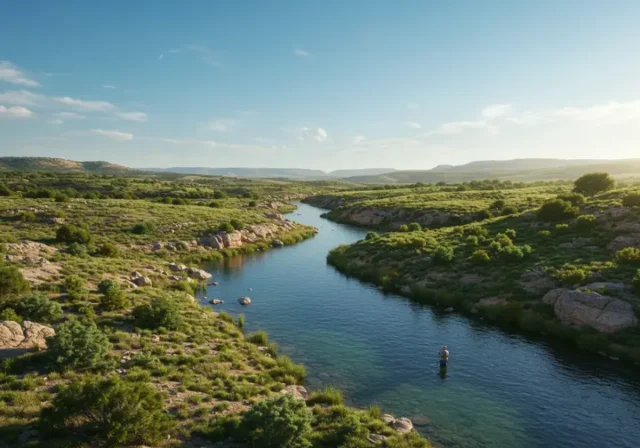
501,390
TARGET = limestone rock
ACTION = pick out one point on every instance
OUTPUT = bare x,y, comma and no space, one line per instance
216,301
25,335
244,300
198,274
603,313
177,267
388,418
297,391
403,425
142,281
277,243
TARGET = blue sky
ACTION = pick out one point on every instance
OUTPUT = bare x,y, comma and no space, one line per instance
327,85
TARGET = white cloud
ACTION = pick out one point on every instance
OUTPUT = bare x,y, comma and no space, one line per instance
10,73
71,116
359,139
611,112
114,135
108,86
56,121
299,52
89,106
412,124
132,116
202,52
15,112
413,106
458,127
317,134
496,111
222,124
21,98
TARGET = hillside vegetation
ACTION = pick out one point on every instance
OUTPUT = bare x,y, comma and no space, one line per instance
568,268
58,165
102,342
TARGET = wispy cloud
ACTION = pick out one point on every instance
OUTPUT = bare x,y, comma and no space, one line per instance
358,139
108,86
15,112
21,98
318,134
88,106
458,127
496,111
611,112
299,52
9,72
71,116
56,121
215,144
222,124
114,135
132,116
202,52
412,124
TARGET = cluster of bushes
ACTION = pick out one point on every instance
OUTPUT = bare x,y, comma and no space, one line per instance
69,234
628,255
230,226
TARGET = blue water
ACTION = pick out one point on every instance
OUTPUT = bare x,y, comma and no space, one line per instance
501,390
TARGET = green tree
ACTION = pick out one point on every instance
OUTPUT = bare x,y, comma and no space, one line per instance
114,299
442,255
160,312
109,412
78,346
226,227
12,283
557,210
108,250
237,224
4,190
593,183
480,257
371,235
277,423
143,228
39,309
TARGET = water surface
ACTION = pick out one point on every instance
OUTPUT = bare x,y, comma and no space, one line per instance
501,390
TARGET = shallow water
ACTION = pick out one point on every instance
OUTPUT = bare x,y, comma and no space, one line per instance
501,390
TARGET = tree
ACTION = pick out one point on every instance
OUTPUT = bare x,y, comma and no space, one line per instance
632,199
557,210
143,228
371,235
480,257
4,190
281,422
12,283
109,412
226,227
161,312
39,309
76,346
443,255
114,299
237,224
108,250
593,183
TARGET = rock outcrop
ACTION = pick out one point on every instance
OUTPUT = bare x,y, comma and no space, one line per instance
244,301
603,313
403,425
297,391
198,274
24,336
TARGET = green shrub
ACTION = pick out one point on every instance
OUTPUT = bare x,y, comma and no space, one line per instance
77,250
12,283
636,283
472,240
240,323
10,314
497,205
28,217
593,183
477,230
77,346
629,255
485,214
512,252
59,197
179,201
557,210
442,255
68,233
329,396
480,257
586,222
73,283
220,194
544,233
371,235
258,338
215,204
226,227
237,224
4,190
576,199
113,299
109,412
414,227
108,250
107,284
39,309
632,199
561,228
503,239
511,233
277,423
509,210
404,228
571,275
143,228
495,246
161,312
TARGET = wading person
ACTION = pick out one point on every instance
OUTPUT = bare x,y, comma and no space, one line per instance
444,357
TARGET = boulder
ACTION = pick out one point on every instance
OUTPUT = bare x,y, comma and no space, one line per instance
177,267
403,425
603,313
244,300
156,246
136,274
216,301
142,281
198,274
376,439
297,391
273,215
388,418
26,335
277,243
604,286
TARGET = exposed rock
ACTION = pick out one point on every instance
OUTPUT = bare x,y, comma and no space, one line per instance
536,281
55,220
620,242
142,281
198,274
388,418
604,286
216,301
273,215
136,274
403,425
297,391
244,300
157,246
214,284
277,243
175,278
177,267
449,309
376,439
603,313
26,335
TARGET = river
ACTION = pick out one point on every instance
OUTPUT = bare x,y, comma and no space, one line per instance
501,389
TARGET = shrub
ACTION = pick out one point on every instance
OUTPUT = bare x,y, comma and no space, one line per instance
632,199
77,249
585,222
636,283
258,338
107,284
628,255
28,217
371,235
404,228
281,422
215,204
240,323
108,250
414,227
498,204
495,246
544,233
237,225
114,299
220,194
561,228
480,257
143,228
571,275
512,252
59,197
68,233
226,227
510,233
329,396
39,309
485,214
442,255
509,210
476,230
73,283
576,199
4,190
557,210
161,312
10,314
109,412
76,346
503,239
179,201
593,183
472,240
12,283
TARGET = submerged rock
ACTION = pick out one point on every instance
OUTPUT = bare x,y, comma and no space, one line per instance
216,301
277,243
244,300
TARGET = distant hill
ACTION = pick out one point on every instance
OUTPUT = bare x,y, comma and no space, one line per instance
59,165
514,170
362,172
289,173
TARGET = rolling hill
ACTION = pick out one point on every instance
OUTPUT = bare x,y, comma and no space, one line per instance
59,165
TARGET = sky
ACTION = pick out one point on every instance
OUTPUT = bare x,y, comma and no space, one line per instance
319,84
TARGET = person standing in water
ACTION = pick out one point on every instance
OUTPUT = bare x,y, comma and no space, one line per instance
444,357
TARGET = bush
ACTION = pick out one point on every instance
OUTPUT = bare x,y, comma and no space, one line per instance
442,255
593,183
68,233
414,227
114,299
585,222
371,235
544,233
561,228
485,214
281,422
632,199
329,396
12,283
39,309
161,312
28,217
108,250
628,255
237,225
509,210
219,194
109,412
73,283
77,249
258,338
510,233
179,201
512,252
4,190
226,227
59,197
497,205
636,283
107,284
480,257
143,228
571,275
404,228
215,204
557,210
576,199
76,346
10,314
503,239
471,240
